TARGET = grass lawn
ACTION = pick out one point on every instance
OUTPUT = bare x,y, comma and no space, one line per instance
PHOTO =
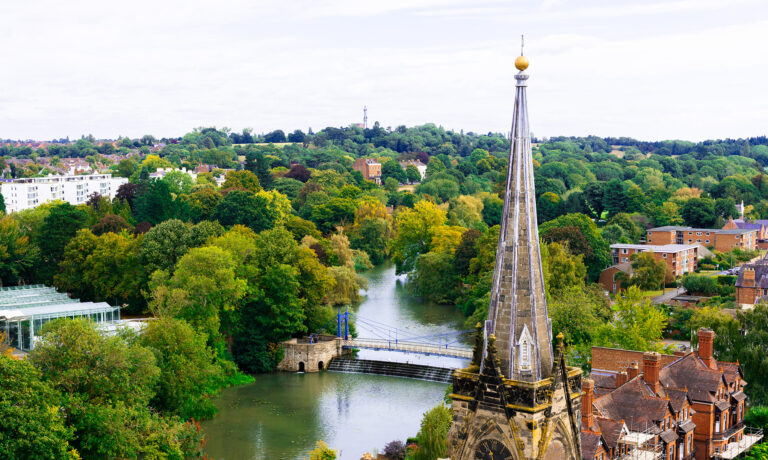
709,272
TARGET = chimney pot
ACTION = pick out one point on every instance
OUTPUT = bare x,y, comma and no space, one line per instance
632,371
651,363
706,343
587,398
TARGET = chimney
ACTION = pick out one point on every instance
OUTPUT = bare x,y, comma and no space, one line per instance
706,339
587,398
632,371
749,277
651,370
621,379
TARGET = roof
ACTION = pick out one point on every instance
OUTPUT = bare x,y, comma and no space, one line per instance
686,426
669,436
590,444
691,373
759,266
737,231
633,402
611,429
64,309
677,398
680,228
656,247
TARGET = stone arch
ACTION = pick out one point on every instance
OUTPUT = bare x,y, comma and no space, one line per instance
492,430
562,444
319,365
301,366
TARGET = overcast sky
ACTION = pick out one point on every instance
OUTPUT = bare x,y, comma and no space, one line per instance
649,69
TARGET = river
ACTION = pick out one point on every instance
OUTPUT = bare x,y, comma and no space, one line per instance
281,416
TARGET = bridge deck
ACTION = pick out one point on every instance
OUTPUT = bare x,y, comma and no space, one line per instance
411,347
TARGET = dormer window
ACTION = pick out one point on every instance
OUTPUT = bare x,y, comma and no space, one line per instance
524,347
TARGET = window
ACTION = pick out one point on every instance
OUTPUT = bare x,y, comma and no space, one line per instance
664,256
690,233
707,241
690,442
624,251
698,233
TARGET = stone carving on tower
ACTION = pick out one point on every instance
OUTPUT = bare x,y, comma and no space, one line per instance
517,399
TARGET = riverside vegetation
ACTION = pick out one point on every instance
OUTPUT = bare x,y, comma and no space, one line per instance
231,271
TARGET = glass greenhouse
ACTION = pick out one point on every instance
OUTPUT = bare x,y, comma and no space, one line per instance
25,309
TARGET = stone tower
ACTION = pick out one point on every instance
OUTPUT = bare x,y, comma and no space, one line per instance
518,399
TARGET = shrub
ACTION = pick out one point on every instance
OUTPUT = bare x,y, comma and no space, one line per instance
395,450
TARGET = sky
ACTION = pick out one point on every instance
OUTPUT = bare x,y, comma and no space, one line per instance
650,69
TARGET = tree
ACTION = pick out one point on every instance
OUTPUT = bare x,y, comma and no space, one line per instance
372,236
242,180
581,235
434,277
414,230
155,204
466,251
259,211
16,253
412,174
614,197
58,228
299,172
433,433
188,372
164,244
647,272
178,182
593,193
493,206
563,271
110,223
106,384
276,136
2,203
699,212
32,425
637,324
203,287
297,136
548,206
393,169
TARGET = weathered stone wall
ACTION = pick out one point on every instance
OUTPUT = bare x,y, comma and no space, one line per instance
300,355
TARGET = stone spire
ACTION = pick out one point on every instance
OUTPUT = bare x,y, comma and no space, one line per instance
518,310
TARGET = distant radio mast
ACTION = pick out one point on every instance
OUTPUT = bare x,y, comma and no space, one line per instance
365,117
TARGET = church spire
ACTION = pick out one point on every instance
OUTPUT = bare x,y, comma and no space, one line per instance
518,310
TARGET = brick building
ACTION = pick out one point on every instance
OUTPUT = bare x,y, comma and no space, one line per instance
680,258
608,276
370,169
752,282
761,226
722,240
675,407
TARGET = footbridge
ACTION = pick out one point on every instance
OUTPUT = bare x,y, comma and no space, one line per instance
408,347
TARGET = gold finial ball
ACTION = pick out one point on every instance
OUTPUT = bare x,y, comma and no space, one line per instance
521,63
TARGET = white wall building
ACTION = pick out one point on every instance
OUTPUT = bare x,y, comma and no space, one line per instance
20,194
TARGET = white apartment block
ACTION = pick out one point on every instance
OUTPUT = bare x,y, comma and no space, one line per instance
20,194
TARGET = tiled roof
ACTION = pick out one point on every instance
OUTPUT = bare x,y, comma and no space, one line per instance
686,426
611,430
690,372
760,267
669,436
677,398
633,403
590,443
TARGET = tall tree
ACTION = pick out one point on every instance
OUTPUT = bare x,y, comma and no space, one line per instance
58,228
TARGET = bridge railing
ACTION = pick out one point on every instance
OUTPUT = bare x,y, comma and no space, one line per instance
405,345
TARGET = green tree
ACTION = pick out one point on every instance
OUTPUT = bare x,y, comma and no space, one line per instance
562,270
242,180
412,174
203,287
393,169
434,277
16,253
637,324
33,427
414,230
699,212
647,272
433,433
60,226
155,204
322,452
259,211
581,236
188,372
372,236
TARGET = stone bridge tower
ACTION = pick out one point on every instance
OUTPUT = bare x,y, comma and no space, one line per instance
518,399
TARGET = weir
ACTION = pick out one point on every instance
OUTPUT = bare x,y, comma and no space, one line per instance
392,369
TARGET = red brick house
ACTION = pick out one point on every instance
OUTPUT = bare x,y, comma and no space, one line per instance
676,407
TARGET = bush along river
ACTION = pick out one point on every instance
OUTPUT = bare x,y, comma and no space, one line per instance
282,415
